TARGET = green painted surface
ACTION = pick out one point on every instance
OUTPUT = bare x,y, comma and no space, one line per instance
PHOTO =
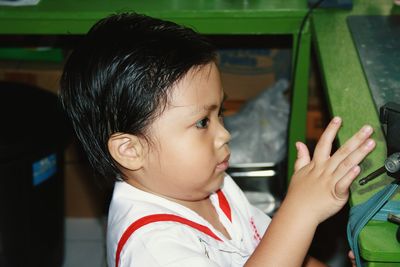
30,54
207,16
388,249
297,124
349,97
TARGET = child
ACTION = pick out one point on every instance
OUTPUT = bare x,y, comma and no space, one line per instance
145,99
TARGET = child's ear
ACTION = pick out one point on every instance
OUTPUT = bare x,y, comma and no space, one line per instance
127,150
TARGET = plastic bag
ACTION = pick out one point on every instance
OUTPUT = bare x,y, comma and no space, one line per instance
259,129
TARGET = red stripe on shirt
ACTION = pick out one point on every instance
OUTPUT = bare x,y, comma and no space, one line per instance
224,205
161,218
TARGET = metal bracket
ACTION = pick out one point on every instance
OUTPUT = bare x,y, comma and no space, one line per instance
390,119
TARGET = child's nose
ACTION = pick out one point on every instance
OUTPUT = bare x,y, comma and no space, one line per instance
223,136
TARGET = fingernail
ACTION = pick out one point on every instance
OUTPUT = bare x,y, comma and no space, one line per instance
356,169
298,145
370,143
366,129
336,119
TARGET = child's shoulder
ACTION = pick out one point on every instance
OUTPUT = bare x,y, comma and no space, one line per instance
133,203
145,222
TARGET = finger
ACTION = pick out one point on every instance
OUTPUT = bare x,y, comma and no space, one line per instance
353,159
351,255
352,258
323,149
342,186
303,156
349,147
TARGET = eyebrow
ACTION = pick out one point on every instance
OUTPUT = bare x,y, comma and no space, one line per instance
210,107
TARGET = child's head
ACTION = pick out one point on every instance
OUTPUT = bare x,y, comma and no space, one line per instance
119,80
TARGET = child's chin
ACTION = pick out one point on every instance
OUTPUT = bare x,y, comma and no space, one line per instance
220,180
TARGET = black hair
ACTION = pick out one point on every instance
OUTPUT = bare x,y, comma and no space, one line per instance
119,77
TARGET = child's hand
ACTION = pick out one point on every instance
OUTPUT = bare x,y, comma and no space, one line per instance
352,258
319,188
321,185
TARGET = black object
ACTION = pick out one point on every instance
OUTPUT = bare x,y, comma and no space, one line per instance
391,167
390,120
395,219
342,4
33,134
372,175
398,235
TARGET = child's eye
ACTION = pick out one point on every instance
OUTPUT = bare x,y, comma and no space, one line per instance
202,124
221,112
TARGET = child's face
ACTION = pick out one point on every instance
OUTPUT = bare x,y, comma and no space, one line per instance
190,151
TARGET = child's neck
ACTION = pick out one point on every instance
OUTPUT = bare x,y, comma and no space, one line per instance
206,209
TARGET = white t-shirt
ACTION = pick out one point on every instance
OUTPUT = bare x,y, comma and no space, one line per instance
145,230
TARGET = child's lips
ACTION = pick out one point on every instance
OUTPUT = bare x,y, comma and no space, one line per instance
223,166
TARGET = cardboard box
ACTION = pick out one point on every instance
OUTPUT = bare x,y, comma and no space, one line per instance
315,126
245,72
84,197
317,114
43,75
74,152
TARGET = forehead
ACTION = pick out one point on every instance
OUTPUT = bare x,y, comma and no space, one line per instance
200,86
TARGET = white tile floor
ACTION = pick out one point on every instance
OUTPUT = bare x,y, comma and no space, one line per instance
84,243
